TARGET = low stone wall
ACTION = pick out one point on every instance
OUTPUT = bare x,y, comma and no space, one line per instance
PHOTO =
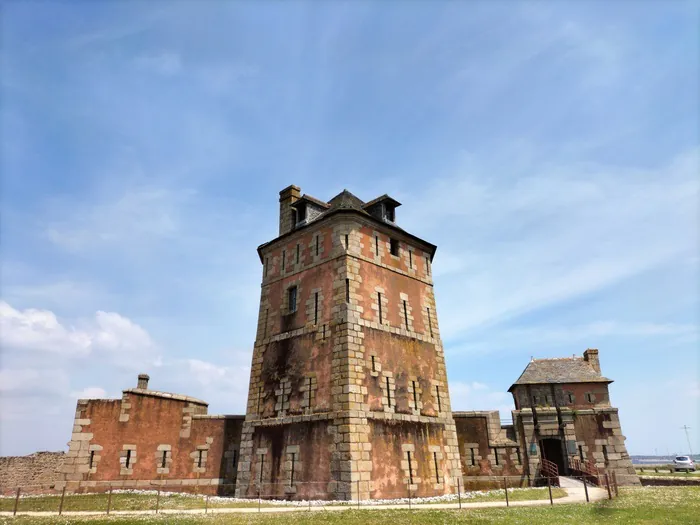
658,481
38,469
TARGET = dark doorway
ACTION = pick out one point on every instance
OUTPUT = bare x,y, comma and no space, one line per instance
552,450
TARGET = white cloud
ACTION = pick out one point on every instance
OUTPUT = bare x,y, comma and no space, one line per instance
109,333
91,392
479,396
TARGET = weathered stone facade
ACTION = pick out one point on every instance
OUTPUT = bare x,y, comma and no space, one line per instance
348,395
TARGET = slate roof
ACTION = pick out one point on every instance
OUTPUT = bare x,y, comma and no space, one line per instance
346,201
559,370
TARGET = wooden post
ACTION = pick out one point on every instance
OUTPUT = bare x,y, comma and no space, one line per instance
109,500
158,500
505,486
607,485
63,495
14,511
549,485
459,492
585,488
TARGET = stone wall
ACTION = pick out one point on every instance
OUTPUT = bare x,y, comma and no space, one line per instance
35,471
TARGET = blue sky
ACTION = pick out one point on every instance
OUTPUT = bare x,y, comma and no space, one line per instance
549,149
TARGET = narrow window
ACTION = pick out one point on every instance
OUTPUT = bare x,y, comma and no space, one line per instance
410,259
379,303
259,397
427,266
415,395
267,316
437,391
388,393
430,323
437,470
546,400
324,332
374,367
376,244
589,397
317,246
284,257
265,266
495,454
235,460
92,458
410,469
580,452
473,457
310,393
405,314
347,290
534,400
347,242
128,458
394,247
605,454
199,459
571,398
292,299
291,475
163,460
262,464
298,248
517,452
316,308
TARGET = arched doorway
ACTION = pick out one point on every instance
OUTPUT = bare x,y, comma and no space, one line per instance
552,450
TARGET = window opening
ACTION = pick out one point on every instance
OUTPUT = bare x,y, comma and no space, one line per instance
164,459
92,458
379,303
437,471
347,290
267,316
580,452
267,261
292,299
316,308
605,454
430,323
437,391
298,248
415,395
517,453
259,397
317,246
291,477
310,392
410,259
199,459
473,458
388,393
324,332
427,266
376,244
405,314
128,458
495,454
571,398
262,464
347,242
374,368
394,247
284,257
410,469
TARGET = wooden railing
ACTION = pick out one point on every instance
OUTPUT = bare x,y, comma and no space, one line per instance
549,470
585,469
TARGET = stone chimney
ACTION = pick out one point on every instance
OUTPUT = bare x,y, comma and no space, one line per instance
288,196
143,382
591,356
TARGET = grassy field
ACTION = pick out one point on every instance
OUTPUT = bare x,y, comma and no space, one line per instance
147,501
647,505
695,474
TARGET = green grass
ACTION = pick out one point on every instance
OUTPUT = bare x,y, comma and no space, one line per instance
695,474
639,505
147,501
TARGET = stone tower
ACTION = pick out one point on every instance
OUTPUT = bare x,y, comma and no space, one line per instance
348,391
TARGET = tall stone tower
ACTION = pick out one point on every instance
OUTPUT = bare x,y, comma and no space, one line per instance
348,391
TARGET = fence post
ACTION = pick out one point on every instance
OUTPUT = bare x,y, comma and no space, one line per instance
607,485
14,511
505,486
63,495
109,500
459,492
585,488
358,493
206,504
549,486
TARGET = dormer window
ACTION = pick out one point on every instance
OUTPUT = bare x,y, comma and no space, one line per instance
301,213
389,212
